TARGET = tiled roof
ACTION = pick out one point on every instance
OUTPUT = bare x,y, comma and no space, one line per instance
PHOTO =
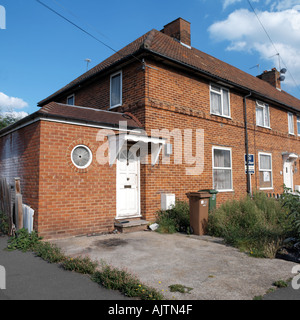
88,115
80,115
161,44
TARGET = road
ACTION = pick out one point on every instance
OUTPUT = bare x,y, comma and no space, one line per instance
31,278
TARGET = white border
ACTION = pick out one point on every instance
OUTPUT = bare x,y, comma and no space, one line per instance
89,151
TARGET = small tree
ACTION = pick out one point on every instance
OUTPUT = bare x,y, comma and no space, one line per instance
7,119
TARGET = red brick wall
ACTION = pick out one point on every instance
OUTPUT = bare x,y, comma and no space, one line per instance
97,93
73,201
180,100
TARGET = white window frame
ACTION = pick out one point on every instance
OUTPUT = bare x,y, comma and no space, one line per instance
298,125
71,96
121,89
90,153
221,168
222,102
291,129
264,106
269,170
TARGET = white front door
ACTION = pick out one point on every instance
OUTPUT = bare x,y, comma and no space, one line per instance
128,181
288,174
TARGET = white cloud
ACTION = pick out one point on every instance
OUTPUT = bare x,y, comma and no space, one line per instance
244,33
227,3
286,4
11,102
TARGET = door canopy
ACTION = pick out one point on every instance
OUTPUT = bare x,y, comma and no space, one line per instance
137,142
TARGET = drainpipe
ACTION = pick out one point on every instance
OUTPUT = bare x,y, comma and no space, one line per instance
247,144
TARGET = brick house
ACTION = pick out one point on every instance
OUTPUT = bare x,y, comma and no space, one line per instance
158,117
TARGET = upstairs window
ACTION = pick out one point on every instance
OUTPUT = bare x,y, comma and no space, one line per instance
262,115
219,101
71,100
298,125
291,123
116,90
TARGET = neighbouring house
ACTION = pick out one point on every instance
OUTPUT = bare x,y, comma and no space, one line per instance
157,118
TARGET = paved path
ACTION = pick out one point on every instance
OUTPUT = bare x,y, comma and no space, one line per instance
214,271
31,278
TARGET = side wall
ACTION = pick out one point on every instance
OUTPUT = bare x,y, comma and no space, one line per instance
19,157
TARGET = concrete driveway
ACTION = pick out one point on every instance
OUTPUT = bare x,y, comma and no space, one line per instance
214,271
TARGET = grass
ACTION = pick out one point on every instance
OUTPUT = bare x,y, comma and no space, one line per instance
257,226
105,275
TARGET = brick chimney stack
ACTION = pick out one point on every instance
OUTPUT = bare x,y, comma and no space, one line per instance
179,29
271,77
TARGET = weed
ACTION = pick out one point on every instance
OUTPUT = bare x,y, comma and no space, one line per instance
81,265
180,288
23,240
115,279
280,284
48,252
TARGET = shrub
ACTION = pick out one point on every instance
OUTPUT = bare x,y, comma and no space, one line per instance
23,240
291,202
174,220
115,279
257,226
81,265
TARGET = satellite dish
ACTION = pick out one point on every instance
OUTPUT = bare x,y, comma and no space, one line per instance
281,78
283,70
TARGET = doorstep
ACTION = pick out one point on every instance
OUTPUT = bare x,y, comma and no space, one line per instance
127,226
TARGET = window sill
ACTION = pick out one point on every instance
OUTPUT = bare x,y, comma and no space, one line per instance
263,127
266,188
228,190
219,115
116,106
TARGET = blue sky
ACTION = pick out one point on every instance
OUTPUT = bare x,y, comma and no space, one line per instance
40,52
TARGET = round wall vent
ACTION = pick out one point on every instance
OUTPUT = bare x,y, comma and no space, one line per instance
81,156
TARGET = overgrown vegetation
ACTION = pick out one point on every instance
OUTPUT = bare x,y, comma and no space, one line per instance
257,226
121,280
107,276
80,265
3,223
291,203
174,220
23,241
